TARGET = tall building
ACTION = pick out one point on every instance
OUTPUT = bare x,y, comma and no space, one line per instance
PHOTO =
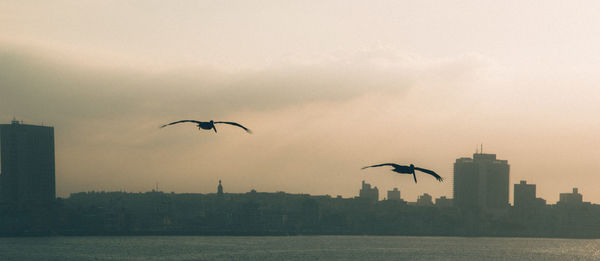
393,194
481,182
27,163
366,192
524,194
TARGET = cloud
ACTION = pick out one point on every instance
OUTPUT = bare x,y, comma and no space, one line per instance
107,120
35,85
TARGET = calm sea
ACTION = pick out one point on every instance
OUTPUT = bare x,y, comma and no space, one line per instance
296,248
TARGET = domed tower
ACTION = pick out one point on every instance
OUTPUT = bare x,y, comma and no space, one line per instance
220,189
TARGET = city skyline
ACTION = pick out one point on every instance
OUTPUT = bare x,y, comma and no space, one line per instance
483,181
480,205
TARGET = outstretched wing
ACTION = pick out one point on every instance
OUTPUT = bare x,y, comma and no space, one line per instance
182,121
431,172
235,124
383,164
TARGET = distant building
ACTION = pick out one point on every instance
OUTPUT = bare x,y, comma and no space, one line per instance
571,199
425,200
524,195
366,192
393,194
220,189
540,202
481,182
443,202
27,173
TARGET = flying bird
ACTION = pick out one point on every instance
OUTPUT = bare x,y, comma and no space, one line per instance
208,125
408,170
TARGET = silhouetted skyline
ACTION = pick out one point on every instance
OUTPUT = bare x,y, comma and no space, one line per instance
480,207
481,182
259,213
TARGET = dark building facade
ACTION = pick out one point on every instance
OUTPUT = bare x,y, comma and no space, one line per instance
425,200
27,173
524,195
368,193
571,199
443,202
393,194
481,182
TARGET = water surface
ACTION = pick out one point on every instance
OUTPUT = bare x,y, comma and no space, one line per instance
297,248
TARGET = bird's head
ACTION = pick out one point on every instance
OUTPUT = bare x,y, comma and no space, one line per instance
412,166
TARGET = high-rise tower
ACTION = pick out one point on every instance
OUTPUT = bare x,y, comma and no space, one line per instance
27,163
481,182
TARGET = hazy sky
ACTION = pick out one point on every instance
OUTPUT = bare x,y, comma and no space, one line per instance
327,87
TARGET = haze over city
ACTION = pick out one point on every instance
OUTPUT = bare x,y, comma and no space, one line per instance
327,88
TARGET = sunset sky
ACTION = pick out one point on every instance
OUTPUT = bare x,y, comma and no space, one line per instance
327,87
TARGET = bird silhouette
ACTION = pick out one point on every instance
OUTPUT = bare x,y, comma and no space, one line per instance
208,125
408,170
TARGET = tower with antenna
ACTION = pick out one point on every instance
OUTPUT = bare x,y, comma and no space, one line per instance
481,182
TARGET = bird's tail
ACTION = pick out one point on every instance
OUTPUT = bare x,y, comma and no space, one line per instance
214,128
415,176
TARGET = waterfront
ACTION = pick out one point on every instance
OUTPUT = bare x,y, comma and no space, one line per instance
297,248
